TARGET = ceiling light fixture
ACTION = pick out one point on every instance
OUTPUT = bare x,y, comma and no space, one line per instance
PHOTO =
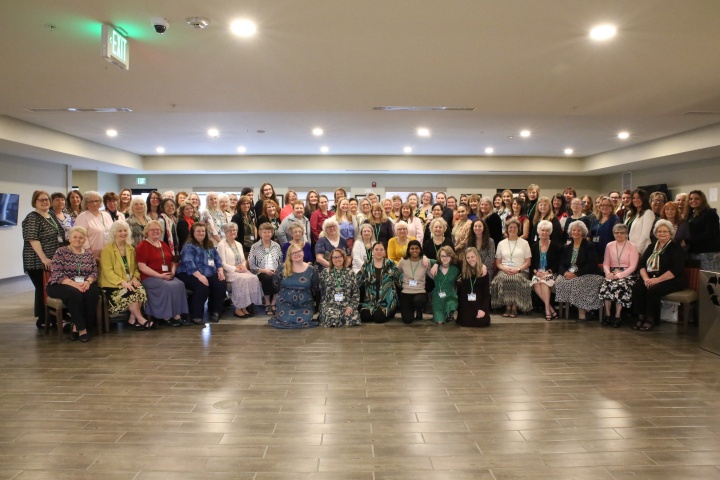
569,151
623,135
241,149
489,150
423,132
213,133
317,131
407,149
160,149
197,22
243,28
324,149
398,108
111,132
603,32
525,133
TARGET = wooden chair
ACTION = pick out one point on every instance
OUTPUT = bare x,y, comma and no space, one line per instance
55,307
688,297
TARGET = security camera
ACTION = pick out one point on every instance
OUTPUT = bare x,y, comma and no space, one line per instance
160,24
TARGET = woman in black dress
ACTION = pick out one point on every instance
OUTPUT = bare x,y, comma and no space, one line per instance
473,292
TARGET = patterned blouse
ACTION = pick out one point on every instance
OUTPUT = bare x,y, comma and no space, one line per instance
258,252
196,259
137,227
68,265
44,230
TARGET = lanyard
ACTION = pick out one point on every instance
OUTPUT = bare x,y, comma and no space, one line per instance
161,253
444,276
618,255
513,250
368,252
473,279
78,263
235,252
377,231
127,267
337,277
543,261
54,225
415,268
573,259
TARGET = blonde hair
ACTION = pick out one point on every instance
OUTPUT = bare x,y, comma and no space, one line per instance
467,270
287,266
538,216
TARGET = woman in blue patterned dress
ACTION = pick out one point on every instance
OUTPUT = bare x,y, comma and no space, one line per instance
296,284
340,293
381,279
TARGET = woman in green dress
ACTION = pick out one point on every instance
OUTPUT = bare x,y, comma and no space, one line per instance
381,279
444,295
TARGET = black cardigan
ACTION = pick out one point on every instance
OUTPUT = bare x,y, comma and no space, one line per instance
587,259
672,259
704,232
553,257
556,236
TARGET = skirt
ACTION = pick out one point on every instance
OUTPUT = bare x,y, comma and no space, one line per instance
246,289
119,299
511,289
619,291
166,298
581,292
549,280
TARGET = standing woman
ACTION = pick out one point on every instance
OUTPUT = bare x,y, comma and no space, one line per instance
543,211
397,246
42,236
681,228
73,279
62,218
704,238
137,219
267,192
180,199
518,212
96,223
461,230
120,277
497,204
246,288
168,225
436,238
214,218
507,198
588,208
576,213
311,203
110,200
318,217
74,202
297,237
365,207
473,292
340,295
533,193
601,231
492,220
382,227
396,205
296,283
362,249
186,219
473,203
329,240
290,199
560,208
414,202
639,218
444,295
201,271
424,211
153,205
545,265
246,227
387,208
415,225
232,203
271,215
347,222
511,286
437,212
354,205
479,239
381,279
195,200
265,257
124,203
413,297
620,265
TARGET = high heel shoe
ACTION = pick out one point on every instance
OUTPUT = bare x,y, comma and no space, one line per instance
637,325
617,322
646,327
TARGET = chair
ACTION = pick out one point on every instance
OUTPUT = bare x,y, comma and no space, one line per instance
55,307
106,317
688,297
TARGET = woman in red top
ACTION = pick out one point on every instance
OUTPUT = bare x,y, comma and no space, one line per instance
318,217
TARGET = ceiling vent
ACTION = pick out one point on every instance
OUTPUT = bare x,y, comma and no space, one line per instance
79,110
423,109
627,181
198,22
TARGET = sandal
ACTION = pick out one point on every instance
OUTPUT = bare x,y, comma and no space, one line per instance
136,325
513,312
548,317
637,325
273,310
268,309
646,327
507,312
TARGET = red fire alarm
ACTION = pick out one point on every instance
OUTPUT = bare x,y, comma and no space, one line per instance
374,184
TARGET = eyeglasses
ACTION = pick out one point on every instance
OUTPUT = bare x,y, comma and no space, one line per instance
658,201
94,201
605,205
337,258
154,230
299,252
43,199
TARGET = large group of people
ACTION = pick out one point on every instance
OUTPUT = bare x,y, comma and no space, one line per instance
162,259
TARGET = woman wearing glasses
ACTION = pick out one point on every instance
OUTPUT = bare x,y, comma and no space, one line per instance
296,283
339,292
96,222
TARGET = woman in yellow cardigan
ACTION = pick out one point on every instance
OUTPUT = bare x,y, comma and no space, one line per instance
397,246
120,277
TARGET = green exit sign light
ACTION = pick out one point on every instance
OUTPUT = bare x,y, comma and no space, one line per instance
115,47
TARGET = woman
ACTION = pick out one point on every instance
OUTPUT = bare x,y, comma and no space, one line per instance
166,297
437,211
362,249
639,218
297,218
73,278
473,203
247,233
681,228
194,198
185,222
461,229
95,222
42,236
329,240
511,286
473,292
568,194
492,220
297,237
181,198
347,222
397,246
246,288
381,279
271,215
265,257
479,239
124,201
589,209
396,205
560,208
704,241
137,219
290,199
201,271
74,201
601,231
413,297
545,264
110,201
267,192
340,295
318,217
168,225
339,194
311,203
232,204
415,226
576,213
354,206
214,218
578,281
444,296
296,283
533,193
58,211
619,265
414,202
543,211
365,207
522,195
436,238
497,204
382,227
518,212
507,198
120,277
153,204
661,273
424,211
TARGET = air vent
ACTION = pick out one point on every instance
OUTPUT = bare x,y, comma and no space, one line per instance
79,110
702,114
627,181
424,109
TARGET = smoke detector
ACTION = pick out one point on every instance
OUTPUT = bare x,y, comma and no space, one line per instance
198,22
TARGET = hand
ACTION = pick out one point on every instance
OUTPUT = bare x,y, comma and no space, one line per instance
166,276
483,271
569,276
240,268
433,270
221,275
348,311
425,262
128,286
609,276
136,283
511,270
84,286
48,263
651,281
203,279
480,314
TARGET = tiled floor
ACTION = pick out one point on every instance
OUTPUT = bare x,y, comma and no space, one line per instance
239,400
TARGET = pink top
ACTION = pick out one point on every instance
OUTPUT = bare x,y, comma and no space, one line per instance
97,228
286,210
621,256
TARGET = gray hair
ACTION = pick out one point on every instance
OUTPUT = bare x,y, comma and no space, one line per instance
89,195
77,228
545,225
328,223
663,223
151,224
365,226
439,220
578,224
228,226
401,223
140,201
116,227
620,227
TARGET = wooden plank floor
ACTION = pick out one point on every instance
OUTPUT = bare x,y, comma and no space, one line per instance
239,400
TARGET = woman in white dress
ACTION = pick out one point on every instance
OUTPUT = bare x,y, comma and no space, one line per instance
246,288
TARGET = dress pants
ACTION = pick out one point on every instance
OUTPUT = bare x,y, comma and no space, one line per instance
82,306
215,292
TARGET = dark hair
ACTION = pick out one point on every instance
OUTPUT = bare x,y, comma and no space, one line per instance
207,244
163,202
109,197
246,190
74,192
563,203
703,203
645,202
287,196
519,201
412,243
272,197
472,237
437,205
147,202
570,190
57,195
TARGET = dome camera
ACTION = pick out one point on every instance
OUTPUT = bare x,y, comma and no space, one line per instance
160,24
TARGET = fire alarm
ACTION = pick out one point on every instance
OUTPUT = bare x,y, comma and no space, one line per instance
374,184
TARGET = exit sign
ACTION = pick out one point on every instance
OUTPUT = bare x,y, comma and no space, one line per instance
115,47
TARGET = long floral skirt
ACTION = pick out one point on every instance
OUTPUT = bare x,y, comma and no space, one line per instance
619,291
119,299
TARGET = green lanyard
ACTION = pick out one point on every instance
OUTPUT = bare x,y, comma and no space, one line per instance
413,269
127,267
444,276
236,253
472,283
377,231
337,277
54,225
573,259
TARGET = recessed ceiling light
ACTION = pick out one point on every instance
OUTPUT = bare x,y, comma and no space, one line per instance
243,28
317,131
525,133
407,149
489,150
423,132
624,135
324,149
603,32
111,132
241,149
569,151
160,149
213,133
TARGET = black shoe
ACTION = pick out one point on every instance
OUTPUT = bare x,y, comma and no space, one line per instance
419,315
198,321
84,338
184,322
215,317
251,310
40,324
617,322
173,323
74,336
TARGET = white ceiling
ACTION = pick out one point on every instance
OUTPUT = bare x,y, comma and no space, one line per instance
327,63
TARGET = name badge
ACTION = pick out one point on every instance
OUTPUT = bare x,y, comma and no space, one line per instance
252,238
79,279
412,283
339,297
442,294
60,239
596,239
650,268
211,263
511,263
127,277
573,269
472,297
165,268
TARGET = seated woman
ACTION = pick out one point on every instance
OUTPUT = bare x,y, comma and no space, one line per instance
479,238
473,292
661,272
265,257
381,280
166,298
120,277
511,286
73,278
297,237
579,279
329,240
340,295
362,249
296,283
413,297
444,296
619,264
382,227
397,246
545,264
246,288
201,271
437,211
